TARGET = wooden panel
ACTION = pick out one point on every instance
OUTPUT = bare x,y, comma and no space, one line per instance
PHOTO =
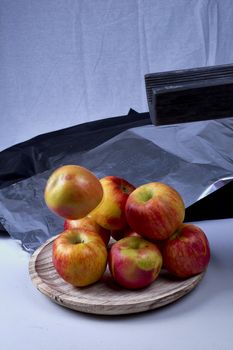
190,95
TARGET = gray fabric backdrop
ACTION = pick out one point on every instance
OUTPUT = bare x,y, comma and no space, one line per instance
66,62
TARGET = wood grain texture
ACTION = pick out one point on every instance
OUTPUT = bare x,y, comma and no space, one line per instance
104,297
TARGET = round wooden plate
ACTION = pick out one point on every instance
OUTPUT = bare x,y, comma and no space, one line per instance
104,297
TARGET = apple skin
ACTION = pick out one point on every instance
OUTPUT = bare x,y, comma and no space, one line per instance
79,257
110,213
72,192
155,210
186,252
134,262
87,223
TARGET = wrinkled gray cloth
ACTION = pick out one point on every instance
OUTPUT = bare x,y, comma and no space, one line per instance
194,158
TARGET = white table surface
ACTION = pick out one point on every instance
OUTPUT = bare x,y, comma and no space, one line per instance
203,319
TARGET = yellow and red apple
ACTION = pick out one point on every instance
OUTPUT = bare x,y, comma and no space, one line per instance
186,252
79,257
72,192
87,223
155,210
110,213
134,262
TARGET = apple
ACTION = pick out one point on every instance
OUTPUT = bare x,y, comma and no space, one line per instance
72,192
79,257
87,223
186,252
110,213
155,210
134,262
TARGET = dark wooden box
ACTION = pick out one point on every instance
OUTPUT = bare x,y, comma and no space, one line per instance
190,95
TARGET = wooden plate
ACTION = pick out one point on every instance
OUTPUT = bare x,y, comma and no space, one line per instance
104,297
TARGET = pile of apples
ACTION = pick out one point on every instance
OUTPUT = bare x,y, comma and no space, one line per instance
134,231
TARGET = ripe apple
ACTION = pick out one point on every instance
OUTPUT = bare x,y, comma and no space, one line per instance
79,257
87,223
72,191
134,262
187,251
110,213
155,210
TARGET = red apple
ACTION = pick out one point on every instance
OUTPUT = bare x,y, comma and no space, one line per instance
134,262
155,210
110,213
79,257
87,223
187,251
72,192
